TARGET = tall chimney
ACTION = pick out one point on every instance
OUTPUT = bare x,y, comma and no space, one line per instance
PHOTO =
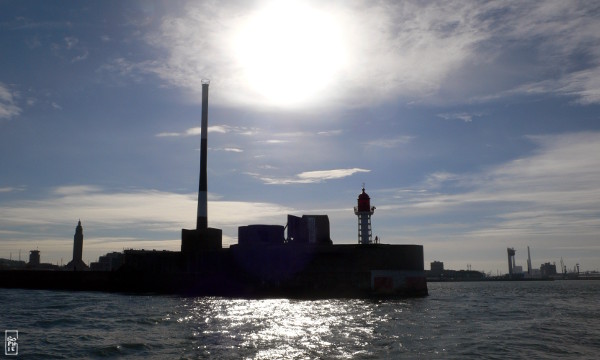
202,221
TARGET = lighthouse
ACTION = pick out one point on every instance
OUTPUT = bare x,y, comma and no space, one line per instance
363,211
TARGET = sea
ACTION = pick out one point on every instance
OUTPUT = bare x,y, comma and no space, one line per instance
459,320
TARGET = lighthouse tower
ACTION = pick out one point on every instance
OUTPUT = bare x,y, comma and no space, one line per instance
364,210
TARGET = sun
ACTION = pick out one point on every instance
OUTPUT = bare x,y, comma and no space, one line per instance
289,52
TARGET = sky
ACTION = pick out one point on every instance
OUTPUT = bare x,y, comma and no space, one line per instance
474,126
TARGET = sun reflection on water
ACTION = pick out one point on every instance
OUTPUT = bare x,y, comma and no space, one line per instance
281,328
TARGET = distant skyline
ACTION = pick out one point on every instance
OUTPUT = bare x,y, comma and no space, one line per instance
475,126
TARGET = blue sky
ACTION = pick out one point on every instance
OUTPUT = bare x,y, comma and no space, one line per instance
474,125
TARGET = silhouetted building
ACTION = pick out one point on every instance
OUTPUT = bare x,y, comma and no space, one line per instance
36,264
260,234
152,261
9,264
548,269
34,258
308,229
437,268
77,263
109,262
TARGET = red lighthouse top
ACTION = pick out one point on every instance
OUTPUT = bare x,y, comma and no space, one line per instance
364,202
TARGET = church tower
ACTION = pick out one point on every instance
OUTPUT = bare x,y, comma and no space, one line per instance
77,263
78,243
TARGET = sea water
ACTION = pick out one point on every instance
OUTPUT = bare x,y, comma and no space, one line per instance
475,320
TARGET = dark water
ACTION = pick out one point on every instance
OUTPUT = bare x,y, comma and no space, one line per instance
491,320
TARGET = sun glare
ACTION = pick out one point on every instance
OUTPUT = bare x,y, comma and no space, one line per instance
289,52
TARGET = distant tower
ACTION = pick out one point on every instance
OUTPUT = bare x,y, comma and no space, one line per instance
34,258
364,210
78,243
202,221
528,261
77,262
511,260
202,237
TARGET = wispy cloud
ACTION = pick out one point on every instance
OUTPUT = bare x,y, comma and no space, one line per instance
552,194
8,189
148,215
71,42
80,57
436,179
71,48
309,177
229,149
119,71
274,141
424,52
389,143
8,108
330,132
195,131
464,116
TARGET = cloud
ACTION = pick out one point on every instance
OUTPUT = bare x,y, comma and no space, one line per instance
466,117
422,52
547,200
583,85
230,149
8,189
330,132
145,209
75,190
329,174
71,42
120,70
81,57
402,49
274,141
222,129
8,108
310,177
550,194
436,179
389,143
121,217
